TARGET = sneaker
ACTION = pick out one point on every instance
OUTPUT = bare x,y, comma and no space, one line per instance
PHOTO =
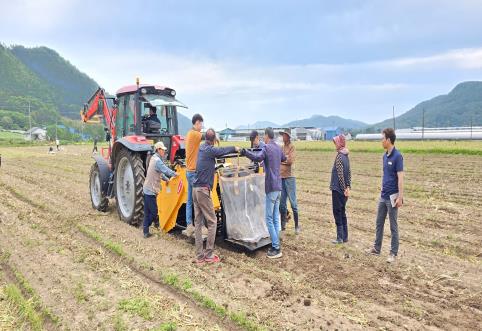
372,251
391,258
297,230
213,259
189,230
147,235
198,261
274,253
337,241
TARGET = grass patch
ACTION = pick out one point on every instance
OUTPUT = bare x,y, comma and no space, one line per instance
169,326
26,307
141,307
119,324
136,306
23,198
469,147
79,293
108,244
35,299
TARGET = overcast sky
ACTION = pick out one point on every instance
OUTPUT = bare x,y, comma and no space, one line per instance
237,62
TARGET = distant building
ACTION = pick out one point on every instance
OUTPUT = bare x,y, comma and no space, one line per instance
331,133
297,133
35,133
418,133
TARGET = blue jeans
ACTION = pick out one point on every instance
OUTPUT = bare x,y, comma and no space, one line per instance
272,217
189,205
288,191
384,208
150,211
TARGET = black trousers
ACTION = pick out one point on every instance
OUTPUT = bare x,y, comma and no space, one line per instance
339,213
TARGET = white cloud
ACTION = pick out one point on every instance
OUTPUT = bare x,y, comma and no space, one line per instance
238,93
36,15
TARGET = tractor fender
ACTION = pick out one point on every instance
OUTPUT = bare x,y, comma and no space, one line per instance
132,143
103,172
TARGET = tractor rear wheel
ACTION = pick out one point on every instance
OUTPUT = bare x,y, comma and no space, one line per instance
129,179
98,199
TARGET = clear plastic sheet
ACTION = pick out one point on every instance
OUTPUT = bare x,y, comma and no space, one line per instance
244,205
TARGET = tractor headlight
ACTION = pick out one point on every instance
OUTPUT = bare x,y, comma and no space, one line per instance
173,93
143,91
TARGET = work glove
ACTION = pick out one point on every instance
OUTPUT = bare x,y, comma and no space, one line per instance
242,152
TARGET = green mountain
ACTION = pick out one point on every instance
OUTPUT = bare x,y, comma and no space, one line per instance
69,87
40,81
19,87
54,88
460,107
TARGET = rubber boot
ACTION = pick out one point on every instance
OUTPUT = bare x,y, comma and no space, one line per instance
345,233
283,221
297,226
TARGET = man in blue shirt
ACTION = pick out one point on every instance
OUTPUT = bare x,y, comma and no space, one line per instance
272,156
391,196
156,171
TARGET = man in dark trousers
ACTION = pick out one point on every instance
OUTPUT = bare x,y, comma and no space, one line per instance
272,156
156,171
201,193
391,196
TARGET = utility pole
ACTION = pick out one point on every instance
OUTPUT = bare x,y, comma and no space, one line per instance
29,121
423,123
393,113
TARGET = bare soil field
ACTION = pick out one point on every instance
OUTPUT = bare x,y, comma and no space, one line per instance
64,265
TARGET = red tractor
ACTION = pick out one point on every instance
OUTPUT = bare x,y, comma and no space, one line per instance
136,118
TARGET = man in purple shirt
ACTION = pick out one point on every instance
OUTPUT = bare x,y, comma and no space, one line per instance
272,156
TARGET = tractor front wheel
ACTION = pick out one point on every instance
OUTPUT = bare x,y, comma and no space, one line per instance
97,197
129,179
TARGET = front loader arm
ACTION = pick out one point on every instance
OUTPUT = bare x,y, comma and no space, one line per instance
97,107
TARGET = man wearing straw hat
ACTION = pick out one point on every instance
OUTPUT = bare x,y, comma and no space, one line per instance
156,171
288,182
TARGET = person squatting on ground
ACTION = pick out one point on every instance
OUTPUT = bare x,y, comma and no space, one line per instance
156,171
193,141
391,195
201,193
288,182
340,188
272,156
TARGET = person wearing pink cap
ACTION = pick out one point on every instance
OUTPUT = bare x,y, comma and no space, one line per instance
340,188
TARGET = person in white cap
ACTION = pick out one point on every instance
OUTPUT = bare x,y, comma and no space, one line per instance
156,171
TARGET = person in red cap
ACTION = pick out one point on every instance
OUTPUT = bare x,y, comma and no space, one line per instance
340,188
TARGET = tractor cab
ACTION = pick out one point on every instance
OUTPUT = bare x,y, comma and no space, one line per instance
150,111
